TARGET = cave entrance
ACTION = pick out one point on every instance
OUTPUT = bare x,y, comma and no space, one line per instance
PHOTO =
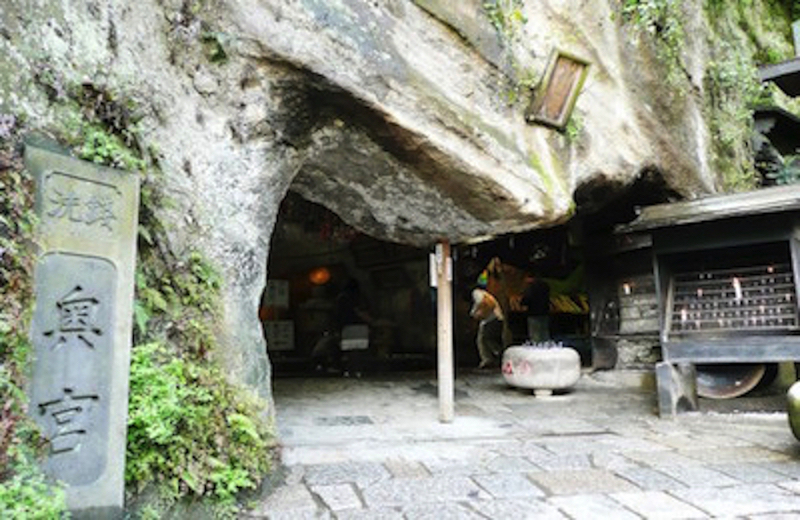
314,254
316,261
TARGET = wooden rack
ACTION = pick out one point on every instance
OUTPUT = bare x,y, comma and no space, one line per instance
746,299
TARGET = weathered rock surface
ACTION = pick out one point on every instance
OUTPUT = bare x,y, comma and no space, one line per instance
391,113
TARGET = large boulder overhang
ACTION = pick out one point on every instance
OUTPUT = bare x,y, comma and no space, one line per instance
409,137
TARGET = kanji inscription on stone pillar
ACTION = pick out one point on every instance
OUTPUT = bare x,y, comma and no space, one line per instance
81,329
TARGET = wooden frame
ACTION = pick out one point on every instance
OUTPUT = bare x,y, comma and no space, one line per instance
556,95
760,347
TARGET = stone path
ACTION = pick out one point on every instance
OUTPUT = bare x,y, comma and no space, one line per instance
373,449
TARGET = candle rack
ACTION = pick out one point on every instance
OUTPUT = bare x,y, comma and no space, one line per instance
759,298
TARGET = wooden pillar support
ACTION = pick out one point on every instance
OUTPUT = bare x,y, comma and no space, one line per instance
444,320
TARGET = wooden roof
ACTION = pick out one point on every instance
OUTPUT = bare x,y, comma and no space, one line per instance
785,74
763,201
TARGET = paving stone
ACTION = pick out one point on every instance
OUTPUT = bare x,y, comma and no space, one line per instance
295,475
532,509
454,467
299,515
581,482
381,513
536,421
499,446
584,471
791,485
572,444
573,426
657,505
611,461
683,442
790,469
534,449
631,443
399,492
739,454
338,496
508,485
441,511
740,500
706,437
592,507
649,479
660,458
400,468
779,439
361,473
563,462
698,476
289,500
505,464
750,473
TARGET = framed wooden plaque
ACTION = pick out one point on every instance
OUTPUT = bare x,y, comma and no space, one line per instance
558,91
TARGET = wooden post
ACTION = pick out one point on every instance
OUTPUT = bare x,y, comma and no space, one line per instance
444,321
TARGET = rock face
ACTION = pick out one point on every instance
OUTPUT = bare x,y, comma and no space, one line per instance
393,114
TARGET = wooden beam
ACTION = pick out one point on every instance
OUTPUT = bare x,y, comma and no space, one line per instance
735,349
444,320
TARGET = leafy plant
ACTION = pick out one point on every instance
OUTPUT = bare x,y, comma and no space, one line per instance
505,16
662,20
788,172
190,430
103,148
214,43
733,91
24,491
574,127
29,494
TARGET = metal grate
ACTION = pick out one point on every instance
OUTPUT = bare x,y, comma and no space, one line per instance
755,298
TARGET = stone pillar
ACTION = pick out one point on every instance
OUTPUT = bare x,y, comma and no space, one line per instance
677,388
81,328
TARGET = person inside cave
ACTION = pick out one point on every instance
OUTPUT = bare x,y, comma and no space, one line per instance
353,320
489,340
535,302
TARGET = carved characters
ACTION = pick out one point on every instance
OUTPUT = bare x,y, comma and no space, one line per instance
66,409
92,209
67,420
76,320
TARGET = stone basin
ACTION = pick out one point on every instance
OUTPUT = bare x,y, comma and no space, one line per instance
793,408
541,369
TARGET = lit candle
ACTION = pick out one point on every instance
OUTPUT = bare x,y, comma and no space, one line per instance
737,288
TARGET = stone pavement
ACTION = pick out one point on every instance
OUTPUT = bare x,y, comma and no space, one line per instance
373,448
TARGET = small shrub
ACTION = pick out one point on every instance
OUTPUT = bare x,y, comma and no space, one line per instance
662,20
191,431
788,172
29,494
